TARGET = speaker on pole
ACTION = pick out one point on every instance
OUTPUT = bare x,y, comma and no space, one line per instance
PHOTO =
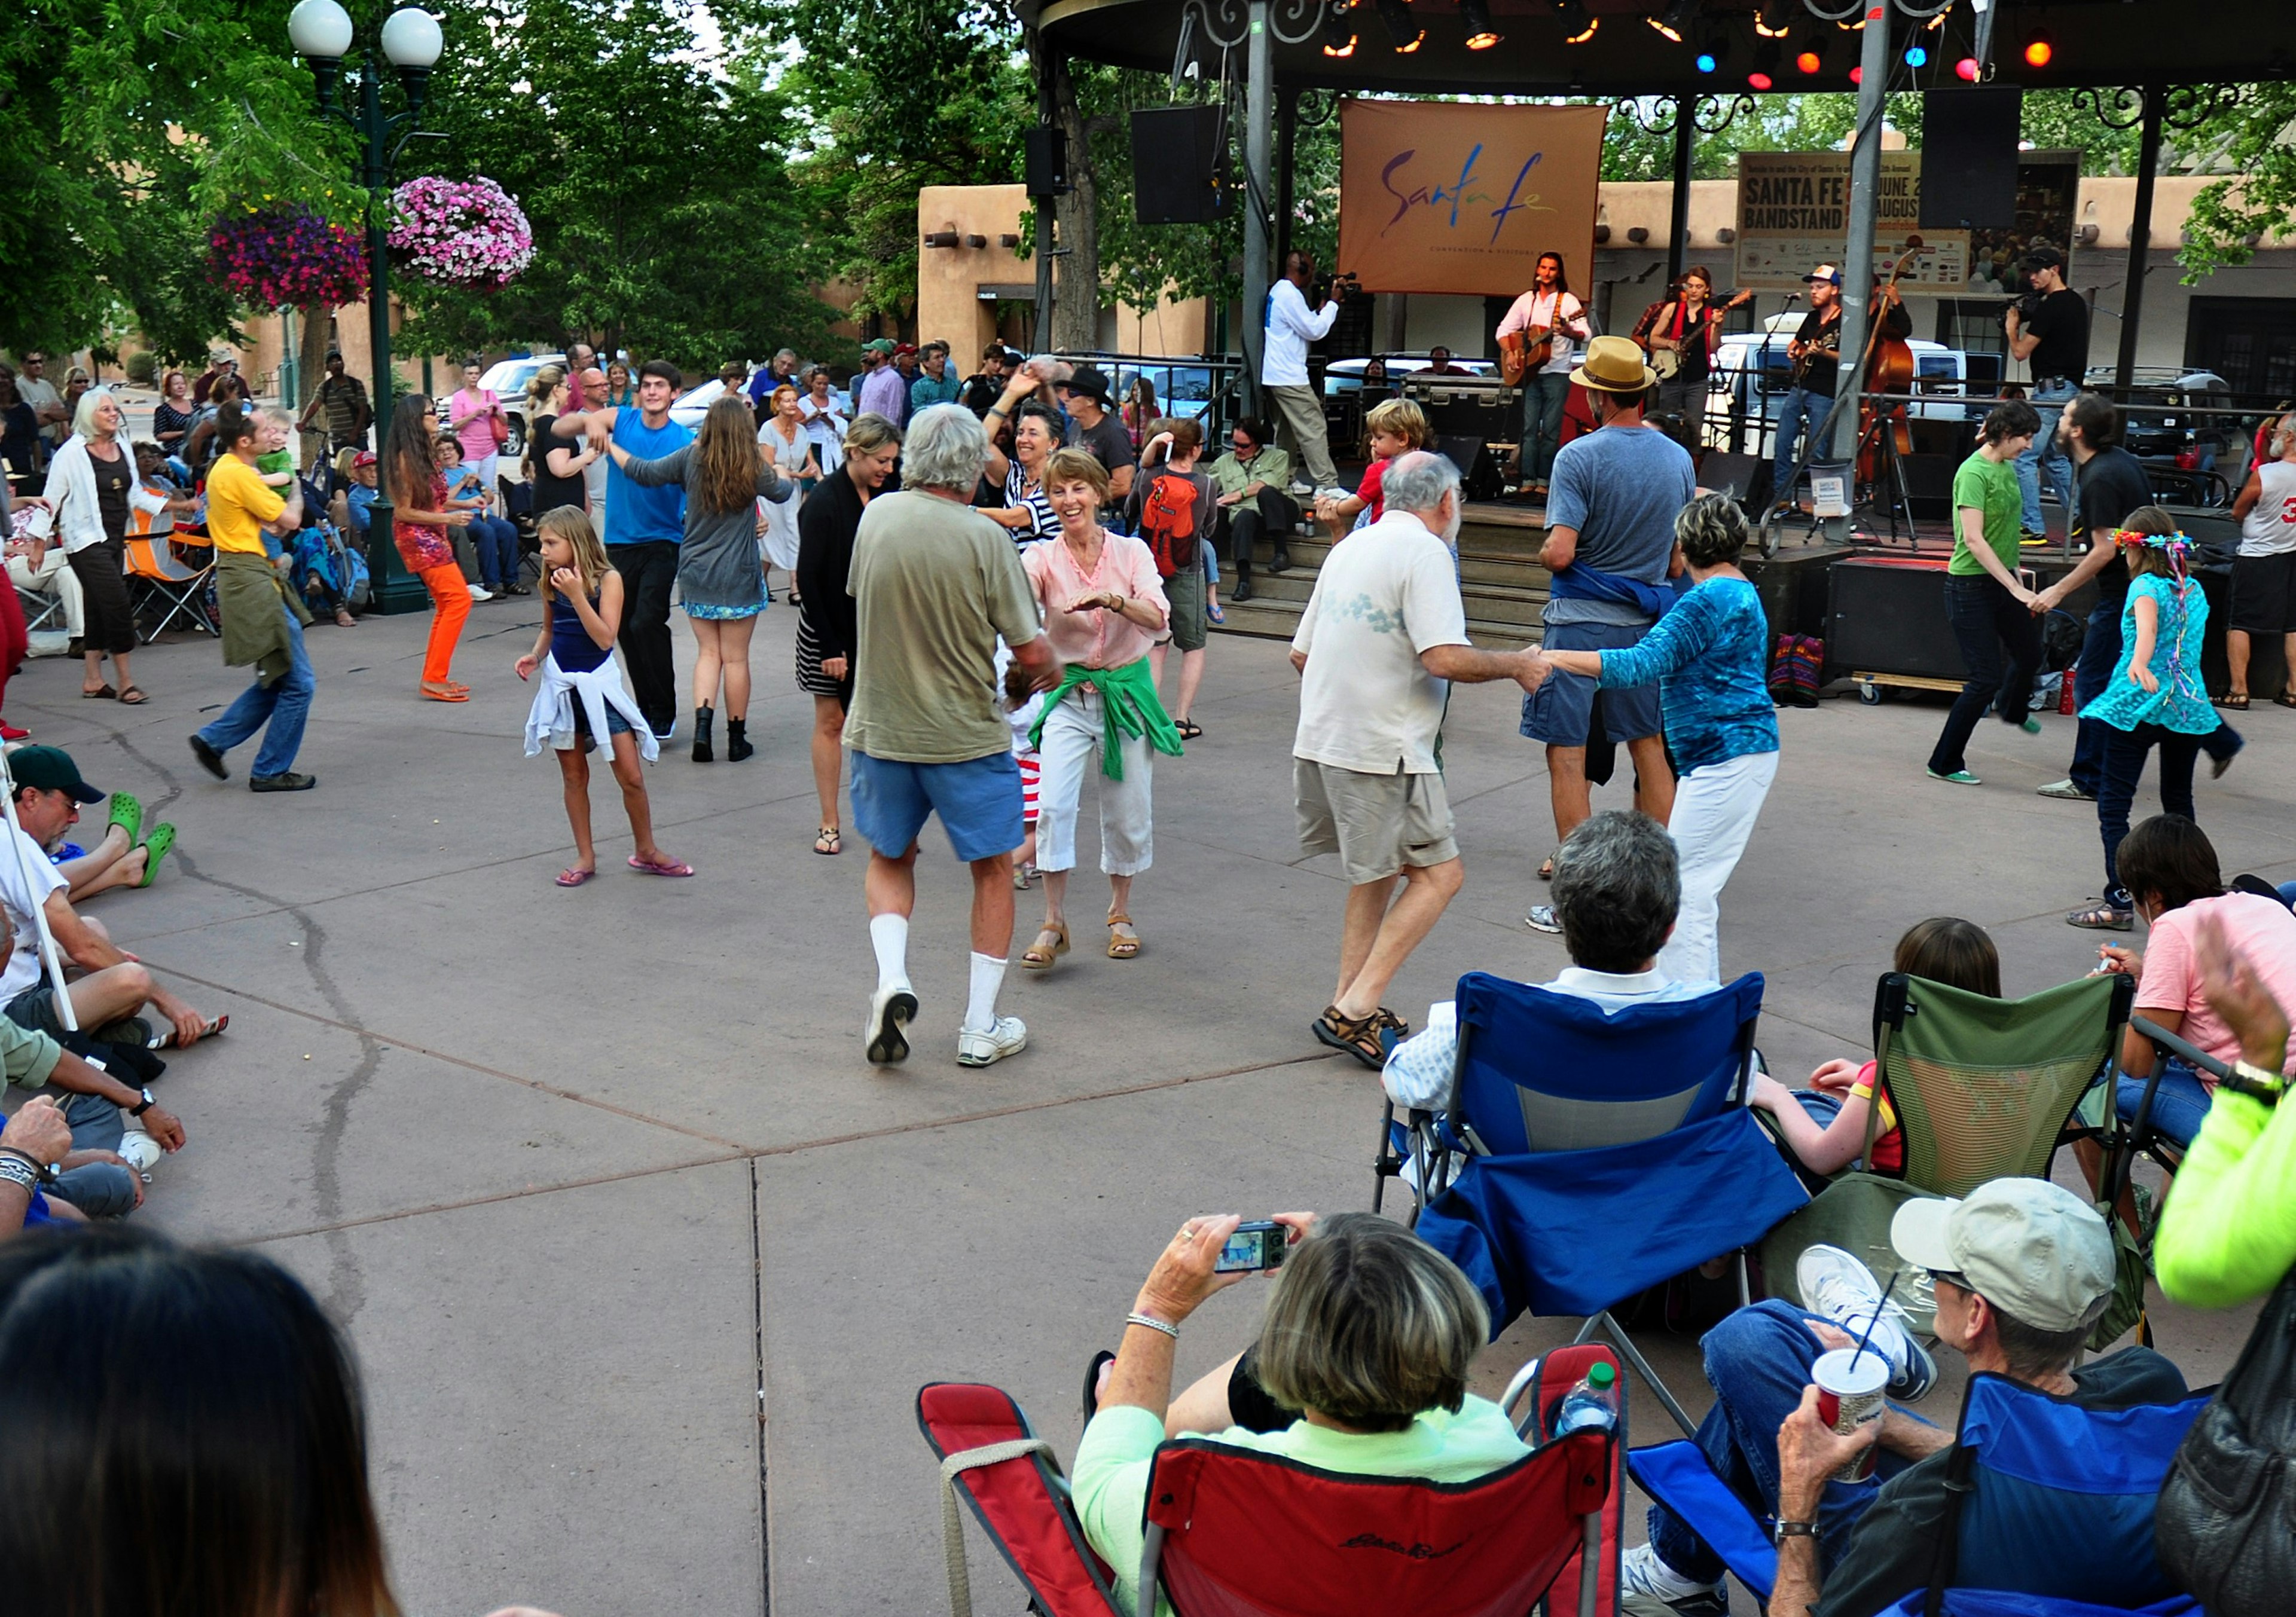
1969,157
1047,161
1178,158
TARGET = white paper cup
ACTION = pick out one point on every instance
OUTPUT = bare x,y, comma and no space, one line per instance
1850,1386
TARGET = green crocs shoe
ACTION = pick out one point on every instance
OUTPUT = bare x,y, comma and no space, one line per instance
162,838
127,815
1960,777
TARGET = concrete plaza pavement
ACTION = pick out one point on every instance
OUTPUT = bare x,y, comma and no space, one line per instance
645,1264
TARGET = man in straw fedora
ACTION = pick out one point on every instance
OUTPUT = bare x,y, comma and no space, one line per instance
1610,544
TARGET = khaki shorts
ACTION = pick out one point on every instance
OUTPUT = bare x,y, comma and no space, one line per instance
1377,824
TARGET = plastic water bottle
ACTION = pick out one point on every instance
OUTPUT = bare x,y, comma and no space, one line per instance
1591,1405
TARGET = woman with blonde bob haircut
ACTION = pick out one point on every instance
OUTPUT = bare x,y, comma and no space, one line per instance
726,472
1361,1367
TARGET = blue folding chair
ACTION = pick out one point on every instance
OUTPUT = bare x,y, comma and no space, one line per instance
1608,1152
2048,1513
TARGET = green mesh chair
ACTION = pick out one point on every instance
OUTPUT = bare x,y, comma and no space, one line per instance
1984,1088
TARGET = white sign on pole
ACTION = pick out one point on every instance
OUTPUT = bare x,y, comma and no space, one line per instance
1793,215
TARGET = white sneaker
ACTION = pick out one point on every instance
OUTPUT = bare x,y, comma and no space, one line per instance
479,593
1649,1587
1009,1037
1543,919
1835,1285
890,1010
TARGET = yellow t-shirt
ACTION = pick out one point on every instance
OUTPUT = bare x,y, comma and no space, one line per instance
239,505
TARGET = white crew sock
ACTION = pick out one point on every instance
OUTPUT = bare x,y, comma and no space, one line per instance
987,977
888,935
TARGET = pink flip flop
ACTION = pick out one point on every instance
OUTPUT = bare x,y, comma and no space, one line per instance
675,867
575,877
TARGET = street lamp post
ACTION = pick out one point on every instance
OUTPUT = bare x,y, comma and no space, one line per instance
323,35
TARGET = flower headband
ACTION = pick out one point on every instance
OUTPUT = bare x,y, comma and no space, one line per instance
2178,546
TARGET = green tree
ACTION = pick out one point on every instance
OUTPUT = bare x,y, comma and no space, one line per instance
2258,196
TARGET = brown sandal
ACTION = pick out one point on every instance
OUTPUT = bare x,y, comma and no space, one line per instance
1360,1036
1119,947
1546,871
2284,699
2236,700
1036,957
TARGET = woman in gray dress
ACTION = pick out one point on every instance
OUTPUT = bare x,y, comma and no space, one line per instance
719,582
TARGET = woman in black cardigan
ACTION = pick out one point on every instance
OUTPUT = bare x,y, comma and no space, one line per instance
827,618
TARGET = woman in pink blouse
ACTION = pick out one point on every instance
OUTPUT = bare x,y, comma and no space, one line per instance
471,414
1103,607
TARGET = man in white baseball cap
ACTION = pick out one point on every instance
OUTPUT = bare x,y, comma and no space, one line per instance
2022,1268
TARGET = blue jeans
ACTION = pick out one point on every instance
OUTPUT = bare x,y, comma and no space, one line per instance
1986,619
1759,1360
2178,1106
2047,457
496,542
99,1190
2100,655
1803,413
283,705
1545,393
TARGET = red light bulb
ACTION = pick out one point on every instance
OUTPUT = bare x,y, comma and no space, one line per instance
1809,62
1858,75
1758,81
1966,69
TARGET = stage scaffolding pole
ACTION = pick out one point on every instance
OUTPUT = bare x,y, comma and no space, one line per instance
1857,260
1258,138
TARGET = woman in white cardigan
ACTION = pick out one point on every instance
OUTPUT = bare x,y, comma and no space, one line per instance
92,488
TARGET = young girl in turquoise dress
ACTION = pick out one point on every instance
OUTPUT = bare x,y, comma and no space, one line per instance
2155,699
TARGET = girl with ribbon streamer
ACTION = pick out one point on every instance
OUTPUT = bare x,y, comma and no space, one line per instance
2154,699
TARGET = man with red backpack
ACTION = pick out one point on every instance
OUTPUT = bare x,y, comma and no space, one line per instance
1175,508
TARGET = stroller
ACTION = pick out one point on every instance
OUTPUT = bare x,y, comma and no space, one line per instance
324,567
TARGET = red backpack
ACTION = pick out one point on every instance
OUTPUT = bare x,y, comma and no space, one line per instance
1167,520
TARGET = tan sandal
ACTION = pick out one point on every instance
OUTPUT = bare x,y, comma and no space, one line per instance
1119,947
1036,957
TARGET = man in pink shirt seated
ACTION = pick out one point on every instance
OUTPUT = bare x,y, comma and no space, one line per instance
2169,866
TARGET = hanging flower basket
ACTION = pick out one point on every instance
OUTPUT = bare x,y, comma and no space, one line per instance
286,257
460,232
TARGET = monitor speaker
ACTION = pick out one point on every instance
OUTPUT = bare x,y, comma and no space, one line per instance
1047,161
1479,469
1929,486
1969,157
1178,157
1744,478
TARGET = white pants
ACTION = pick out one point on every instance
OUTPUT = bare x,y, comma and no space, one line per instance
1715,808
54,577
487,466
1074,731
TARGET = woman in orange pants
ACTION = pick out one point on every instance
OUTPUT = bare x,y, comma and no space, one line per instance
422,519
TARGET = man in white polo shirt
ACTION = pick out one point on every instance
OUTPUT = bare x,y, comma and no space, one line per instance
1383,634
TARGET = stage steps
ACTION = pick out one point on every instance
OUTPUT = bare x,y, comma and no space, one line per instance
1500,580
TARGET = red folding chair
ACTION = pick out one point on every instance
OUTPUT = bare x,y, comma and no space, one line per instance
993,1459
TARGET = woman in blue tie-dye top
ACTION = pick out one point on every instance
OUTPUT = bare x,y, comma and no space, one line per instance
1709,656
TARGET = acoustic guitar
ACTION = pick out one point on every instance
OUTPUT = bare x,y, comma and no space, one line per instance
1522,352
1666,352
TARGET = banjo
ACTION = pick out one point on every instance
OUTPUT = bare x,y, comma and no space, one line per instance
1666,352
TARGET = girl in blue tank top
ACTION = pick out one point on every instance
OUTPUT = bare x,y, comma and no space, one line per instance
582,596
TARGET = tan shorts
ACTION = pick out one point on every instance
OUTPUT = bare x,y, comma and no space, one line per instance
1377,824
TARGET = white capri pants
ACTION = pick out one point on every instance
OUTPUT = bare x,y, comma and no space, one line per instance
56,578
1715,808
1074,732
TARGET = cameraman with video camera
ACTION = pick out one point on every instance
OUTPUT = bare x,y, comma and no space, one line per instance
2048,329
1284,366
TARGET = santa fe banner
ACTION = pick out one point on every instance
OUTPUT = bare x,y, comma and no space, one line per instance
1793,215
1459,197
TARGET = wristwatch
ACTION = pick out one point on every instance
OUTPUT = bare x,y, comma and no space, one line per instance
143,1106
1785,1530
2259,1083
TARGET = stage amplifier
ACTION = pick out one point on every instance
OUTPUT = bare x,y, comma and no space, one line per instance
1744,478
1481,407
1929,486
1479,468
1887,616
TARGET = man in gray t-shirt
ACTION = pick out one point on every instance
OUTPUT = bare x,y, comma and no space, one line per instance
1610,543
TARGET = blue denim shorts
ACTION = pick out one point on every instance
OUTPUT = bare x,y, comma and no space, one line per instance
979,801
1558,711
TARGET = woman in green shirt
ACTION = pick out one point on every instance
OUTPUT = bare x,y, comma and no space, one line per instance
1991,611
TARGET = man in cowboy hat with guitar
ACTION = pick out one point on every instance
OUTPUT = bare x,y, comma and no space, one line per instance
1610,546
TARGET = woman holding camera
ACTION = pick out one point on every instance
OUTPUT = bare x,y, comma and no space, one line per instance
1361,1367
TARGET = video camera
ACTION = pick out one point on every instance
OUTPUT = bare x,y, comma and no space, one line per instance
1324,290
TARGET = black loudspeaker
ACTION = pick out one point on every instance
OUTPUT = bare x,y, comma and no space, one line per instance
1178,157
1047,161
1479,469
1744,478
1929,486
1969,157
1887,616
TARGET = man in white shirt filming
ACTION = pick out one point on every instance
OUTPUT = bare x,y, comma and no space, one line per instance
1383,634
1283,370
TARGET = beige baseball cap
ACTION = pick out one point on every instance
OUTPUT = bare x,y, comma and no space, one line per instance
2031,1248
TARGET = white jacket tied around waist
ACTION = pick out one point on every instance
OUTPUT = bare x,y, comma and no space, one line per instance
550,721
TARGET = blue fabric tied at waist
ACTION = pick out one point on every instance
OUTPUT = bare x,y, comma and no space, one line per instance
1580,581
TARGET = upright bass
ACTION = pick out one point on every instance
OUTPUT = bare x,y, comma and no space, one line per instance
1889,368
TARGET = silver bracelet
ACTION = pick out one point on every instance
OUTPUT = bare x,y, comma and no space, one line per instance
18,1171
1153,1324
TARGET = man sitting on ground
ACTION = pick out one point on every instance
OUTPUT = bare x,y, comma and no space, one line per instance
2022,1269
49,793
1618,886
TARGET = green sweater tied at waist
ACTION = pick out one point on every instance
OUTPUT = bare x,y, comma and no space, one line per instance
254,604
1129,706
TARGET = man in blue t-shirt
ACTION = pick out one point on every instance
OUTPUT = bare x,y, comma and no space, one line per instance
644,528
1611,506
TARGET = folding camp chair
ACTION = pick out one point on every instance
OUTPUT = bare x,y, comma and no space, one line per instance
1235,1533
155,573
1608,1152
1984,1088
2047,1501
2139,1136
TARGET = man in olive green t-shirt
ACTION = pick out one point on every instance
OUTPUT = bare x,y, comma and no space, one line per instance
1991,611
936,586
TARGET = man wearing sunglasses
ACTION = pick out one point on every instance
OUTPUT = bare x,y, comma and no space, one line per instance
1253,477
